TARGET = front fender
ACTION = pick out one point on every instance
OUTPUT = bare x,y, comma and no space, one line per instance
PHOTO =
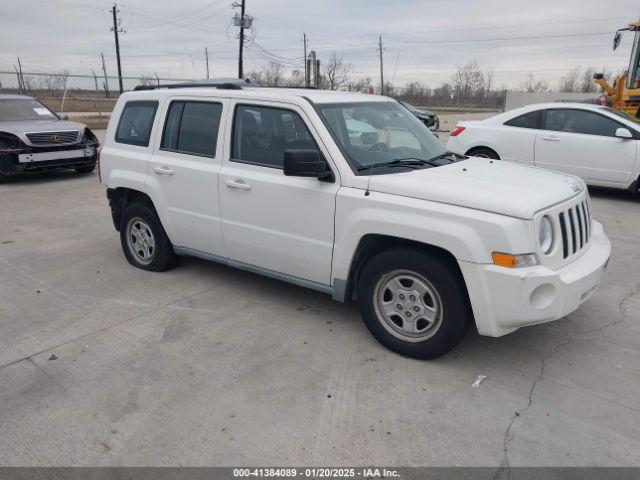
469,235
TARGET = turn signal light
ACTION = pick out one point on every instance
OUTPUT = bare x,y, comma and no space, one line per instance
457,131
514,261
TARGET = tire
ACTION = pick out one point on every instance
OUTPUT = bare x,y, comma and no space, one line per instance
445,301
87,169
484,153
144,242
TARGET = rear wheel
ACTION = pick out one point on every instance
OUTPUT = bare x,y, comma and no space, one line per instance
413,303
144,241
484,153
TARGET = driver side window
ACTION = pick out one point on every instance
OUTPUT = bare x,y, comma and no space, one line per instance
579,121
262,134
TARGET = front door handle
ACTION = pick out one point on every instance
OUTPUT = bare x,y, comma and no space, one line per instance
238,184
163,170
551,138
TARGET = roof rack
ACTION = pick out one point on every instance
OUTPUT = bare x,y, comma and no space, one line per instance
221,84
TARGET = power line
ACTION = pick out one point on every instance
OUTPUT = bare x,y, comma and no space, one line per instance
502,39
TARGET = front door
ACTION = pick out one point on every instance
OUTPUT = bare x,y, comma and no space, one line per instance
583,143
271,221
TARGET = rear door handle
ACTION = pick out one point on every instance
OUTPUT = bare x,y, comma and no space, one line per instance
551,138
163,170
238,184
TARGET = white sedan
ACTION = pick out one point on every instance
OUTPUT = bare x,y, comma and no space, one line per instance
596,143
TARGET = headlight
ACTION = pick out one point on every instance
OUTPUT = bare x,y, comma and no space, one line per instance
545,234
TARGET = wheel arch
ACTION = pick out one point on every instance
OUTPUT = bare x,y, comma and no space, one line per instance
372,244
481,147
120,198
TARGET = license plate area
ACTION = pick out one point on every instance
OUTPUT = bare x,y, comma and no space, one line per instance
57,155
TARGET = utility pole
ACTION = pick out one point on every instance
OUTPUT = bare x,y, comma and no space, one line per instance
242,26
116,29
380,48
95,80
206,55
304,40
23,86
20,92
106,81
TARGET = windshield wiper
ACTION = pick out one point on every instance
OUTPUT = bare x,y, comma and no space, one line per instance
448,155
398,162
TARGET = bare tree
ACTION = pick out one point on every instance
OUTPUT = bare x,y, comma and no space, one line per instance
533,85
489,77
587,85
296,79
147,81
54,82
468,80
360,85
273,76
336,72
570,82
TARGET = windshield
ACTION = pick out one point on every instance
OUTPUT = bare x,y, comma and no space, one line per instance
371,133
24,109
620,114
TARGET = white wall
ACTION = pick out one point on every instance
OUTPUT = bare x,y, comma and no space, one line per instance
520,99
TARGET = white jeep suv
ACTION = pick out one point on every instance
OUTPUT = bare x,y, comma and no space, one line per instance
426,241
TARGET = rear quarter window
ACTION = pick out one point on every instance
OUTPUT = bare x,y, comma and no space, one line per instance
528,120
136,122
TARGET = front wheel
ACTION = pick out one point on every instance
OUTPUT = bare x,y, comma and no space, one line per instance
413,303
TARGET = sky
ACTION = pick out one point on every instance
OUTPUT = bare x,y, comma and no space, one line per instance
424,40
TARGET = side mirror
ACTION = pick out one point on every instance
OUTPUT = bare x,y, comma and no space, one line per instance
616,39
623,133
63,116
307,163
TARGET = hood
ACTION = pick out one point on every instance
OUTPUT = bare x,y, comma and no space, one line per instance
20,127
424,112
478,183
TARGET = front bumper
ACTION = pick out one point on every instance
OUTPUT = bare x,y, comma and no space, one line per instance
505,299
31,160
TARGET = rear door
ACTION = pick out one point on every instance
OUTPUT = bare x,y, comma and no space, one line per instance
583,143
272,221
184,169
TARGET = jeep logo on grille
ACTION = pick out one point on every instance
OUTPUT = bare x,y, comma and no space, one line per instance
55,138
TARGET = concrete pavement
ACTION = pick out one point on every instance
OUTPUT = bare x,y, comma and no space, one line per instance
105,364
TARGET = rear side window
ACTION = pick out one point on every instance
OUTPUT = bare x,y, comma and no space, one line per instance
192,128
528,120
136,121
262,134
580,121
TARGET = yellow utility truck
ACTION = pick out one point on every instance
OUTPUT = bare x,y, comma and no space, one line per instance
624,94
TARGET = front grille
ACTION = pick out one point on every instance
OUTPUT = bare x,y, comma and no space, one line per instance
575,227
53,138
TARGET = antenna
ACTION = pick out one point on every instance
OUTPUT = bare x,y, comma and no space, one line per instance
366,192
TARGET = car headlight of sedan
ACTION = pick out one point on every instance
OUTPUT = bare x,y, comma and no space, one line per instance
545,234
